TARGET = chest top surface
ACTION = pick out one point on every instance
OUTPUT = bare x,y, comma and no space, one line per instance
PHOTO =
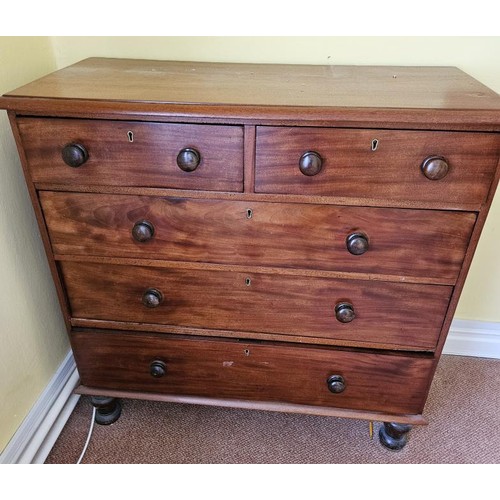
171,86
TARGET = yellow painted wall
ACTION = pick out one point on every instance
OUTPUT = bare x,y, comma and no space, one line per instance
33,339
478,56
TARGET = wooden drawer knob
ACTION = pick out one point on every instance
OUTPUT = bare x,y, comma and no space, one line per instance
435,167
357,243
336,384
188,159
142,231
310,163
74,155
344,312
152,297
157,369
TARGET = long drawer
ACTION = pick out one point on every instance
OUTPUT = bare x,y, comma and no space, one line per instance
371,312
383,164
411,243
252,371
123,153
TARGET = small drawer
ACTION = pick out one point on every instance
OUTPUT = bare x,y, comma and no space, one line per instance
410,243
252,371
354,312
139,154
450,168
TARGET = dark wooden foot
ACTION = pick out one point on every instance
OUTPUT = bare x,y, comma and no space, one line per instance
394,436
108,410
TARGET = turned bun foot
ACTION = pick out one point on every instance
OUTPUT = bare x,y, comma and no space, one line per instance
394,436
108,410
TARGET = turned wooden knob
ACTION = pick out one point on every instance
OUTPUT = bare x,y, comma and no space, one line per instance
157,369
152,297
357,243
435,167
310,163
142,231
336,384
188,159
344,312
74,155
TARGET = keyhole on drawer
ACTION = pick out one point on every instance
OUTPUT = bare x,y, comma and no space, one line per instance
248,281
130,136
374,144
246,352
249,213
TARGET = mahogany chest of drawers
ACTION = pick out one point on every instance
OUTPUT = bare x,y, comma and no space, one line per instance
288,238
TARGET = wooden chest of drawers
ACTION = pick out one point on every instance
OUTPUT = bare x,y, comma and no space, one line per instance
288,238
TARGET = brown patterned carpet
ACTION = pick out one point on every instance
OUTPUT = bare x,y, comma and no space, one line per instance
463,410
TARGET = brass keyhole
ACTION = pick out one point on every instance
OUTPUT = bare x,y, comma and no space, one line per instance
130,136
375,144
249,213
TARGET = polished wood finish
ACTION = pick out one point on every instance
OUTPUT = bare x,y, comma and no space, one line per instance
261,372
151,159
393,171
288,238
394,436
108,409
282,235
413,419
187,82
390,313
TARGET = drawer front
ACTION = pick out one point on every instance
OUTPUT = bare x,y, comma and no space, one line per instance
148,158
250,371
392,172
386,313
420,243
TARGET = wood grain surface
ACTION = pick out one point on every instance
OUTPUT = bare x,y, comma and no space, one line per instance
264,85
389,313
149,161
392,171
413,243
252,371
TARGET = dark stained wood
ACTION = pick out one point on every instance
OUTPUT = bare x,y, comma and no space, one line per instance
249,159
413,419
393,171
178,206
257,372
151,160
274,198
394,436
279,235
61,295
391,313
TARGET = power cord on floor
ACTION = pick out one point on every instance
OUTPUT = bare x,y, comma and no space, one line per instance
89,436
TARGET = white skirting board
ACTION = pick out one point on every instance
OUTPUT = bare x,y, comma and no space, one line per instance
473,338
35,437
39,431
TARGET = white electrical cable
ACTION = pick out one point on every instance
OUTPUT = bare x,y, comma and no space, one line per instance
88,437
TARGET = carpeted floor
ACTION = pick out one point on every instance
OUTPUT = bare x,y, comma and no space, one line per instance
463,410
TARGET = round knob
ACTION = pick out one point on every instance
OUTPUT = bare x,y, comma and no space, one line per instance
152,297
188,159
344,312
336,384
310,163
357,243
74,155
157,369
143,231
435,167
